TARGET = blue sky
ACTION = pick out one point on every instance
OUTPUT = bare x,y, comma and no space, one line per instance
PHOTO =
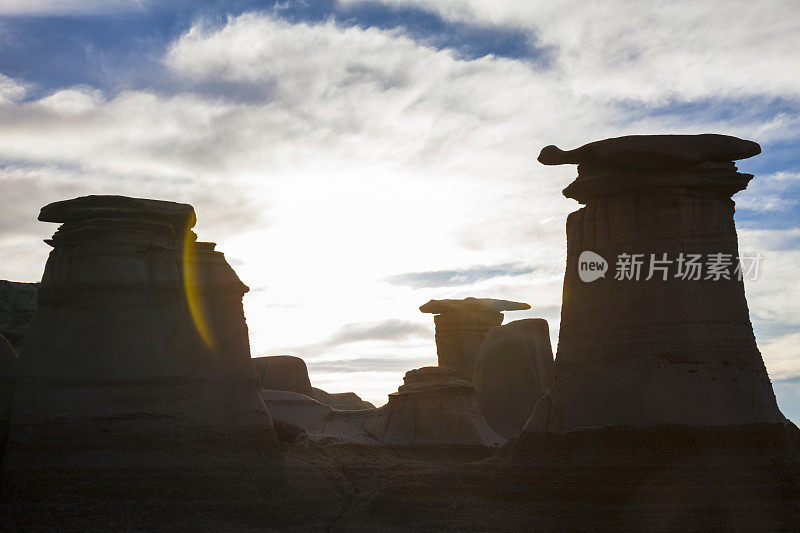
357,158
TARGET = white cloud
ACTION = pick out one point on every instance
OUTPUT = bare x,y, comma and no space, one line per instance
646,52
770,193
71,7
366,155
10,90
782,356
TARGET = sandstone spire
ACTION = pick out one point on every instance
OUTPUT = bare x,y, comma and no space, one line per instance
139,330
652,341
461,327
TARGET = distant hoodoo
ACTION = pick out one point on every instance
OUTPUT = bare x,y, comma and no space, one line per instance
433,406
461,327
664,336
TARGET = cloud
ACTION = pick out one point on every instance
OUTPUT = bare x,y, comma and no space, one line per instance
364,364
388,330
771,193
10,90
782,355
69,7
392,332
678,49
327,155
447,278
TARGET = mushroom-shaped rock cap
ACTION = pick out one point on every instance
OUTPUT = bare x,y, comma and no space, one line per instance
653,152
94,206
475,305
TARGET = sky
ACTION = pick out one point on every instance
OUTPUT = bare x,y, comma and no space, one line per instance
354,159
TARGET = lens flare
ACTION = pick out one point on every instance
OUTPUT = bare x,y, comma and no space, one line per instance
193,285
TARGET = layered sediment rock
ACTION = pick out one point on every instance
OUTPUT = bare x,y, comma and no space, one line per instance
433,406
17,307
139,331
282,372
461,327
654,341
321,423
514,370
345,401
661,410
135,405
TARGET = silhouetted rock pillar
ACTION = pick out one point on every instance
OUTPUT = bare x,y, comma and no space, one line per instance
461,327
666,348
139,332
514,370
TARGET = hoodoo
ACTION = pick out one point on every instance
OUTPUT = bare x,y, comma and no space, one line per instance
461,327
433,406
139,330
664,337
135,401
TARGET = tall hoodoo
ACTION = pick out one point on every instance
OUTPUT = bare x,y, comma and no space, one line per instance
461,327
139,330
663,336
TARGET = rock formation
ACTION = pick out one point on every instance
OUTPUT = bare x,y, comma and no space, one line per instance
461,326
17,307
290,373
514,370
135,405
344,401
139,332
321,423
282,372
671,347
8,373
433,406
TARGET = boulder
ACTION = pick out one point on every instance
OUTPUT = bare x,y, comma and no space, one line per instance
433,407
17,307
514,370
282,372
461,326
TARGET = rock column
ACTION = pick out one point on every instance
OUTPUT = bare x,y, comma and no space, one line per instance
657,343
461,327
139,332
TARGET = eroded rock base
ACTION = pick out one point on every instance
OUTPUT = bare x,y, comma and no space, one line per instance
653,479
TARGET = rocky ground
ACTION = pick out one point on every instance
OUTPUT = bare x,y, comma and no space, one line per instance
658,479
